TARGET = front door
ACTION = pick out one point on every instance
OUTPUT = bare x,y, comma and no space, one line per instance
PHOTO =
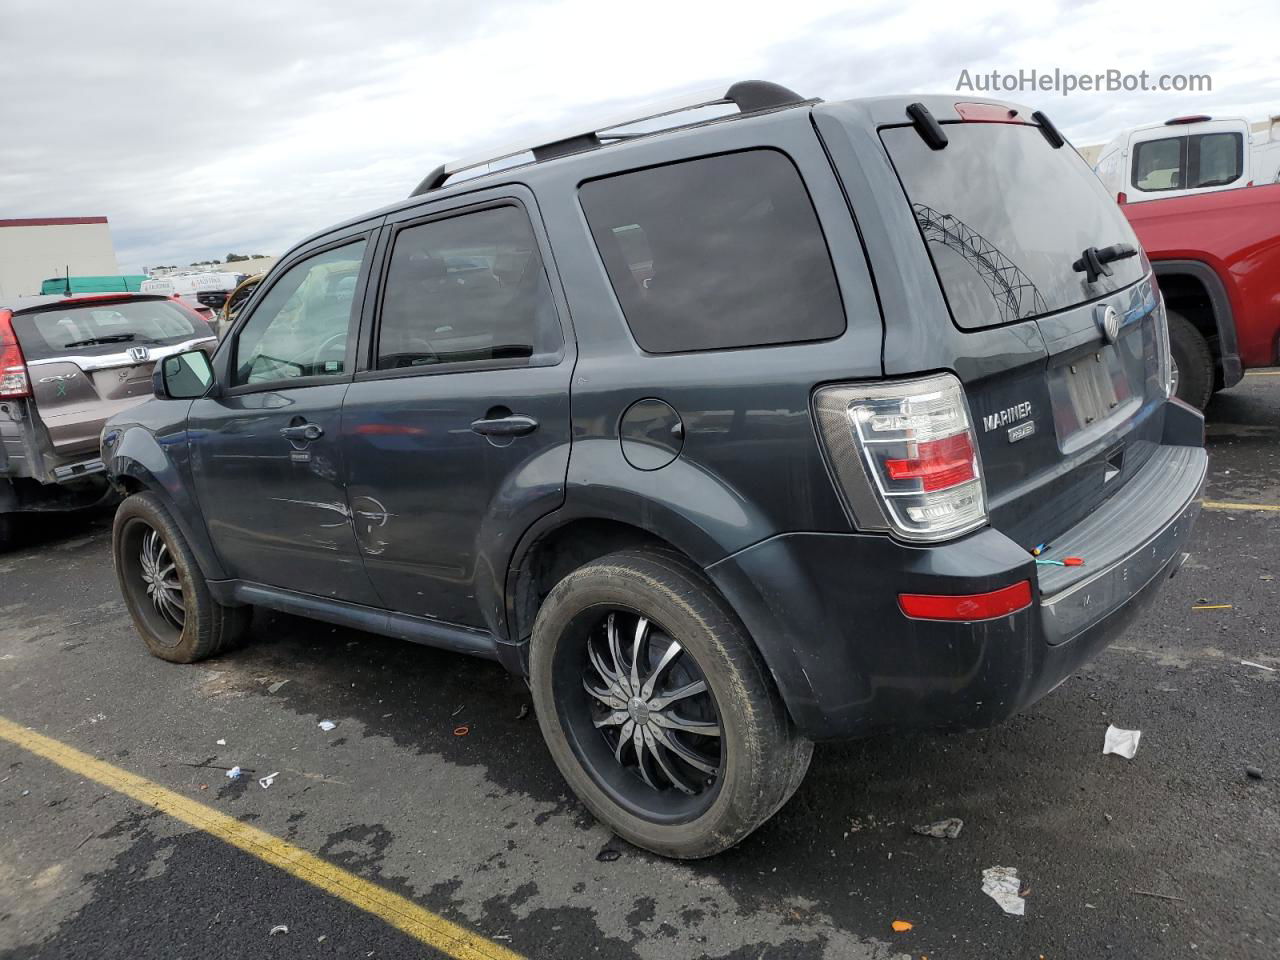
266,450
457,435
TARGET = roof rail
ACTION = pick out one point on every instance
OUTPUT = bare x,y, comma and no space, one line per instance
748,95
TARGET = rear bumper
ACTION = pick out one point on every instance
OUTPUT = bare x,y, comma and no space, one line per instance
824,610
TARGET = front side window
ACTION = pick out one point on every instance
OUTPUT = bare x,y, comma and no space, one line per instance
467,289
715,253
1177,163
300,328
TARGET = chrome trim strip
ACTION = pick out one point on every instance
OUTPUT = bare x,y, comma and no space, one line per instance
110,361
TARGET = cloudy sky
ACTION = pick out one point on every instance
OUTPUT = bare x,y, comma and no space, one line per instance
200,129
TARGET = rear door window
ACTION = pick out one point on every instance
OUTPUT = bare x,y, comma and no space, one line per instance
715,253
1004,215
111,327
467,289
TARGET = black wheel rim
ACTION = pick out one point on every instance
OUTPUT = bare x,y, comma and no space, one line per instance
155,586
643,720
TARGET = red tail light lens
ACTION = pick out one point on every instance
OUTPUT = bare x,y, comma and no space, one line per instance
972,606
1122,198
938,464
14,381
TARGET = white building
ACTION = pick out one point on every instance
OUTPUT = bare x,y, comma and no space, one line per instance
33,250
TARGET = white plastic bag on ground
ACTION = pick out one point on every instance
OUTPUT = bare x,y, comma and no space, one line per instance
1122,742
1001,885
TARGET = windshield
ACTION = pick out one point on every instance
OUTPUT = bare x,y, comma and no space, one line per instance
109,327
1004,216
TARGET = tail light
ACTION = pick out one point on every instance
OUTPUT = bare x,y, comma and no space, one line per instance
1164,353
14,381
1122,198
904,455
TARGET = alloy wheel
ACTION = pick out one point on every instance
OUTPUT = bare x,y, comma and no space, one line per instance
160,580
654,709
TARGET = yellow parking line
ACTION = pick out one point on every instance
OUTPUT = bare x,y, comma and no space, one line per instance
1220,505
401,913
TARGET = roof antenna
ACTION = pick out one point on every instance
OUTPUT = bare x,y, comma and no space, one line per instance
66,268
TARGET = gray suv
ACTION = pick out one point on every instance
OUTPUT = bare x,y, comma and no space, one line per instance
803,422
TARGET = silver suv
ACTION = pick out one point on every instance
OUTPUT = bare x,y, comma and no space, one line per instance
66,365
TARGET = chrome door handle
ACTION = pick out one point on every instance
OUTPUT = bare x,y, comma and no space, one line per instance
516,425
303,431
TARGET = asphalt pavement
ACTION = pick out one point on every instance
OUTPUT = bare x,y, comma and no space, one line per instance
434,785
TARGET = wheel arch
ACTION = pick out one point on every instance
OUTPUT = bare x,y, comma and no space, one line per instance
1194,289
562,542
136,463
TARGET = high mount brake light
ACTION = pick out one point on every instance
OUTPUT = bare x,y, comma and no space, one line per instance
14,382
904,455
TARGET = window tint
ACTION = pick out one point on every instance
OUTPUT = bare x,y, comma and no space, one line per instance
1005,215
471,288
300,328
1200,160
715,253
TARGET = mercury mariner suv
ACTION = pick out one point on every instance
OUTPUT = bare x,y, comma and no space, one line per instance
802,422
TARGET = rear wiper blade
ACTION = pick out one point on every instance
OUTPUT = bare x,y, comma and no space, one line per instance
1093,261
93,341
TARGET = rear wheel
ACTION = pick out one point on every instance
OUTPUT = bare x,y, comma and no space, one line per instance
657,708
164,589
1193,366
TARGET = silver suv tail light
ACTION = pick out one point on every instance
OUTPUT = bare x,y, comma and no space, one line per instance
905,455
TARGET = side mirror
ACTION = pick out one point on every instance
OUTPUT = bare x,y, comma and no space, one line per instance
184,376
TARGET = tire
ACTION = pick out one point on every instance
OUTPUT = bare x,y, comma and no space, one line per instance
1192,360
176,617
745,774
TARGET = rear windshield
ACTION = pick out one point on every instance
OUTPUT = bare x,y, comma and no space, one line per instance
1004,216
110,327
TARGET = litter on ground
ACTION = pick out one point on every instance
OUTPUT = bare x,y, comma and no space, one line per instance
1122,742
326,725
1260,666
947,829
221,743
1254,773
268,780
1001,885
279,928
233,773
901,926
275,687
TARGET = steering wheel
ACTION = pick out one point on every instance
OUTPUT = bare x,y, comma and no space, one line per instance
338,339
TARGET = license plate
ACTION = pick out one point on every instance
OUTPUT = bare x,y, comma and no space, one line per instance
1088,390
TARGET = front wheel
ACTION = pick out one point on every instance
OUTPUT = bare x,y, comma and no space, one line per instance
164,589
657,707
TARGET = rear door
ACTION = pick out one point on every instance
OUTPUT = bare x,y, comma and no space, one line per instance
93,357
1063,371
266,448
456,433
1184,158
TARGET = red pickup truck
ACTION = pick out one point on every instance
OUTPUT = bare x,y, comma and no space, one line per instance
1217,257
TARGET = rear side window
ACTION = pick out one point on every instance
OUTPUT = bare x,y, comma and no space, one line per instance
467,289
715,253
105,328
1177,163
1004,215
